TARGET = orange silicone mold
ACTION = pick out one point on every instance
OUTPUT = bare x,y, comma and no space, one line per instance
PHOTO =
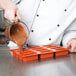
40,52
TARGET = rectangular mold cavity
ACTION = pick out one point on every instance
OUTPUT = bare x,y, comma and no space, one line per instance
46,55
61,54
30,58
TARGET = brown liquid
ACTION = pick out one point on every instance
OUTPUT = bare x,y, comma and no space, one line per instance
18,35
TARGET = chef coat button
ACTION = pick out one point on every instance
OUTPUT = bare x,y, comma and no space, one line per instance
37,15
65,10
18,2
49,38
58,25
32,30
27,45
7,42
43,0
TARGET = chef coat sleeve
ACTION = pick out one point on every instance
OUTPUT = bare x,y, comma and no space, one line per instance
69,33
12,45
16,1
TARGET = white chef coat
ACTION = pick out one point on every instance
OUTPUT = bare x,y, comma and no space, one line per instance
50,21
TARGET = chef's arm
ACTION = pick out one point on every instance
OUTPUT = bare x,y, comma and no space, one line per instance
69,38
11,10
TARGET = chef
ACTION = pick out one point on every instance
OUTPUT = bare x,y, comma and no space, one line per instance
49,21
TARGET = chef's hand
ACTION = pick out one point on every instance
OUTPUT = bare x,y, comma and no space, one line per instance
72,45
12,13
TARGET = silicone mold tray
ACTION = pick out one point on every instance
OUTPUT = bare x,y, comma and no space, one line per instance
40,52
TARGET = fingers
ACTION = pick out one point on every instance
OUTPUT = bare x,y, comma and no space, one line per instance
18,15
71,46
12,15
9,15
